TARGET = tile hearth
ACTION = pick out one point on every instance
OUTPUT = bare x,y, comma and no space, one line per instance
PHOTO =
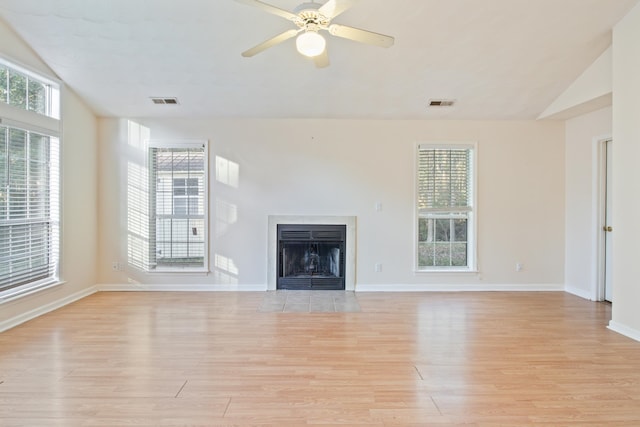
283,301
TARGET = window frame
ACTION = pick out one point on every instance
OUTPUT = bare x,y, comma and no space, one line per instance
153,268
53,88
472,213
48,125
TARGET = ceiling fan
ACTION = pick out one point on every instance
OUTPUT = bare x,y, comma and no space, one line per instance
309,19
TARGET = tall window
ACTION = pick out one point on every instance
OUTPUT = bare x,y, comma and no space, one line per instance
29,181
445,207
178,235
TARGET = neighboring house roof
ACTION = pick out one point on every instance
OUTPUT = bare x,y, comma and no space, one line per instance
180,161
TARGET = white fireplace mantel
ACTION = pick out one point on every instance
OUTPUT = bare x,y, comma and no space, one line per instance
272,244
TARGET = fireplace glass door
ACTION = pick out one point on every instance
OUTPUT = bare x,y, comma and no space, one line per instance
311,256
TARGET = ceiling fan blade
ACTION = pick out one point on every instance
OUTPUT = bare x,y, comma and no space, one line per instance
362,36
269,43
271,9
322,60
333,8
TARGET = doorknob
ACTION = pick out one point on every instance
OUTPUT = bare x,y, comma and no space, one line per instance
607,228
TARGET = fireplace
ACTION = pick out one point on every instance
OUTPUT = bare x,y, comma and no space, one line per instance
350,244
311,256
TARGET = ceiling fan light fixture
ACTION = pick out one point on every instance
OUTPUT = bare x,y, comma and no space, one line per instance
310,43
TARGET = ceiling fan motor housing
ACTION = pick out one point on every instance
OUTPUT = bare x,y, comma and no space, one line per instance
310,18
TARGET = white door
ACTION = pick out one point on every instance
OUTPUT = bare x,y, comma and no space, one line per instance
607,228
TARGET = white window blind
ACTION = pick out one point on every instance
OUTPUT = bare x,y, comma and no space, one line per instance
178,181
445,207
29,213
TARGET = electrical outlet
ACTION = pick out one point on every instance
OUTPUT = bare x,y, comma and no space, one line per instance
378,267
115,266
519,266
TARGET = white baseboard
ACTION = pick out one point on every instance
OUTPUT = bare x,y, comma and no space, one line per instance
579,293
460,288
54,305
140,287
624,330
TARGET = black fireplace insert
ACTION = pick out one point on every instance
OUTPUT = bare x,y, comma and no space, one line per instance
311,256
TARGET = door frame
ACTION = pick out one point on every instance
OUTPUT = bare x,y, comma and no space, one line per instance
599,216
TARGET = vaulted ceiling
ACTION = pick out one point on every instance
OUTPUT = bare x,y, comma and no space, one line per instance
499,59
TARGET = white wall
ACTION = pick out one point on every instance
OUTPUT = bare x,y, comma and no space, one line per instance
626,175
343,167
581,175
79,183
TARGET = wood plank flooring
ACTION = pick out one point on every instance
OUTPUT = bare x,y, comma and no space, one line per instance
405,359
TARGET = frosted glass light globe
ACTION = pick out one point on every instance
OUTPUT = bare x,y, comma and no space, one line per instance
310,44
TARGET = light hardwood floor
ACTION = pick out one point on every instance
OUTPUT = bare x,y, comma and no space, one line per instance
406,359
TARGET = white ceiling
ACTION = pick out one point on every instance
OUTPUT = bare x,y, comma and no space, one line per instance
499,59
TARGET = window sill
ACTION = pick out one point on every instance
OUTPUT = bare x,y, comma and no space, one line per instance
446,271
199,272
14,294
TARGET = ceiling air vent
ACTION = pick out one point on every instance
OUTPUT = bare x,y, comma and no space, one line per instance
171,101
441,102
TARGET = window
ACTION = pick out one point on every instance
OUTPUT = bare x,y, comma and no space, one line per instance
178,178
445,207
29,181
28,208
27,91
186,195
